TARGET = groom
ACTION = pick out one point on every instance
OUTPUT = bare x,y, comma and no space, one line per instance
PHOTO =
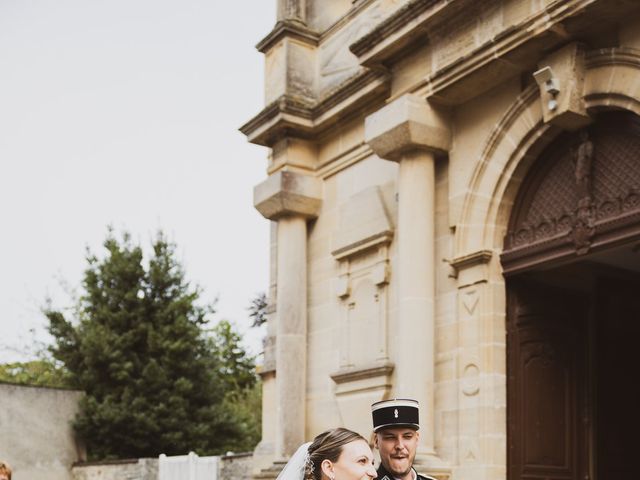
395,426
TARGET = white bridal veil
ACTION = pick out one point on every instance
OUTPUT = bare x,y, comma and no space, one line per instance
295,467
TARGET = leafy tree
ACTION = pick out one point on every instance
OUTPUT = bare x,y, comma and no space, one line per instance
138,347
42,373
237,369
243,397
40,370
258,310
245,407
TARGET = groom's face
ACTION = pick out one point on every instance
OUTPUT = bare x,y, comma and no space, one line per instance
397,448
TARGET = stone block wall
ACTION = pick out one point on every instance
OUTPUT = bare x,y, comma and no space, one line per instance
134,469
235,467
231,467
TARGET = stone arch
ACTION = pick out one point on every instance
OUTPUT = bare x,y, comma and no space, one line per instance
508,145
521,135
510,151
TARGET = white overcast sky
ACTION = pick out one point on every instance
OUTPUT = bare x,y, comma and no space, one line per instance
125,113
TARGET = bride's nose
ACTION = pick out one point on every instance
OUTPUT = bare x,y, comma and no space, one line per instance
371,472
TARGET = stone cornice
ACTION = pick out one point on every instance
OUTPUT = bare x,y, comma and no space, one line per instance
613,56
476,258
509,53
381,238
276,118
351,374
401,23
289,29
355,10
465,267
359,88
504,53
303,119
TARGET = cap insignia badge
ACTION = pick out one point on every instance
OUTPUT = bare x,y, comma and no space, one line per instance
395,413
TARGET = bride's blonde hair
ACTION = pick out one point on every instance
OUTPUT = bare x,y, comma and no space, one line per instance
327,446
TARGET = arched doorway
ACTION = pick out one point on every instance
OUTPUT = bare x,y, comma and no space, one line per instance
572,267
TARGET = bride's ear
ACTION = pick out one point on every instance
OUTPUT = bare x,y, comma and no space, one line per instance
327,469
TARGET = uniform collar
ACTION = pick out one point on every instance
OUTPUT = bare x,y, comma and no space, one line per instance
383,474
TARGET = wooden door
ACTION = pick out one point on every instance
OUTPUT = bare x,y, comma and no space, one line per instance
546,394
617,380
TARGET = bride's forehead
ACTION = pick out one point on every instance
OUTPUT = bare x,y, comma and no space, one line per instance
357,447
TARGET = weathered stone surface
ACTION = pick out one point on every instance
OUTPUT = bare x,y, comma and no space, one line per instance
293,152
139,469
363,221
406,124
289,70
230,467
474,61
292,10
235,467
37,437
291,331
566,108
288,193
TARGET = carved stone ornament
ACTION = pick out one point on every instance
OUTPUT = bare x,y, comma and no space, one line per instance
583,225
582,193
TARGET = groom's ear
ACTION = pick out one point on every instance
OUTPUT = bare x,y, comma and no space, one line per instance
375,440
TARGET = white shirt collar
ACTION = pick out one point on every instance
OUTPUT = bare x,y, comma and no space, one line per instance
414,474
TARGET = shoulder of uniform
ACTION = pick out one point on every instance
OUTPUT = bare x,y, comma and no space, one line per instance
383,474
425,477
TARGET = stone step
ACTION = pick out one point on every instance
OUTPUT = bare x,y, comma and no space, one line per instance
270,472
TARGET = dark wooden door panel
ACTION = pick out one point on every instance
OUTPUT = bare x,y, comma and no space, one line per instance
545,399
546,350
618,382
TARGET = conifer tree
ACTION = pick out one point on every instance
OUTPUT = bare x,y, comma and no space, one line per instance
137,346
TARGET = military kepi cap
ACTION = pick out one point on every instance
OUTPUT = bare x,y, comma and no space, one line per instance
399,412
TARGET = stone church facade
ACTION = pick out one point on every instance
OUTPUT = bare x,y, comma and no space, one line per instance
454,193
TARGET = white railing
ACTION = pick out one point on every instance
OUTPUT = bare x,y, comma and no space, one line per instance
187,467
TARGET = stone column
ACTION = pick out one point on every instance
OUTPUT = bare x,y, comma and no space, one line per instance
416,288
290,199
291,333
410,132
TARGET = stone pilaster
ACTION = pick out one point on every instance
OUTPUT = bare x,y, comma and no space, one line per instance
290,199
411,132
292,10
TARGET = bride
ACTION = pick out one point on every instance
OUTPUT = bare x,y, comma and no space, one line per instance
337,454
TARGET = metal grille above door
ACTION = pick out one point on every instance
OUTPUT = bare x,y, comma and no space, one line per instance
582,195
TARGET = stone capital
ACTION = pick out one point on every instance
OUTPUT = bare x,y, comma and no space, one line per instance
288,193
408,123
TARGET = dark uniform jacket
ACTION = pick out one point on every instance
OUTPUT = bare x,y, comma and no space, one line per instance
384,475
